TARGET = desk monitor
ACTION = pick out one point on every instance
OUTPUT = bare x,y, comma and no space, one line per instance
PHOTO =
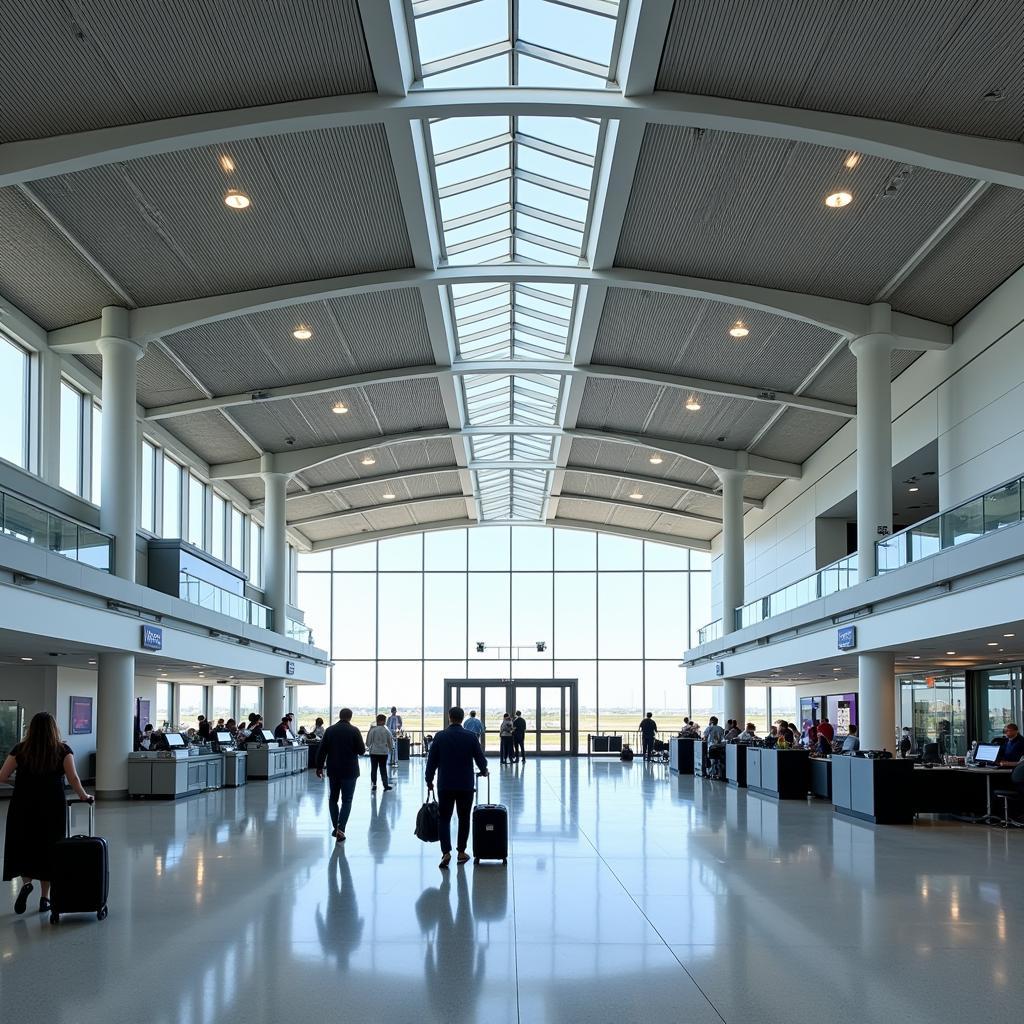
268,736
223,737
174,739
987,753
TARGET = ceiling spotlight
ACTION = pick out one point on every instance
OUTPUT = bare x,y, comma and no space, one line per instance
913,490
851,161
389,496
993,643
227,165
951,652
739,329
236,200
837,670
1009,634
302,333
916,657
26,659
692,404
838,199
479,647
655,460
339,408
368,460
636,496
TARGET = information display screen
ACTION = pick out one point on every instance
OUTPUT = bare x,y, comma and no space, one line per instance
174,740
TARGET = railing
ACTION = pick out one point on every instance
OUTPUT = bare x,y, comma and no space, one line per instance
33,524
830,580
975,518
712,631
217,599
296,630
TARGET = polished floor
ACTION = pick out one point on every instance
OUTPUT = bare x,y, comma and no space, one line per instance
631,895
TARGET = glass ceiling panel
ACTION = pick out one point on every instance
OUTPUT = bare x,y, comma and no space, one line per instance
477,43
516,494
512,321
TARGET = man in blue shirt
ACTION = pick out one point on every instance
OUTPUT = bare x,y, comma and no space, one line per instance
1012,749
453,754
475,726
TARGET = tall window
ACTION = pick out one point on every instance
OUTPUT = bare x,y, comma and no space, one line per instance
255,553
163,704
70,438
191,704
218,527
15,403
222,701
401,615
248,701
196,511
237,539
172,498
96,453
147,508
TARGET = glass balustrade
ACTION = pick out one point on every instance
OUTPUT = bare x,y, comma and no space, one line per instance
217,599
712,631
32,524
300,632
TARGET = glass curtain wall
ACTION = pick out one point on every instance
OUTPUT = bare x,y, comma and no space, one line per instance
400,615
935,709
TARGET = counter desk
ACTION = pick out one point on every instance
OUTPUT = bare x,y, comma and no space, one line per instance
736,764
699,757
270,762
879,790
168,775
956,790
783,774
680,755
235,762
821,777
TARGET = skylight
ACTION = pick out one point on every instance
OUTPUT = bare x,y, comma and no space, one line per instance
512,494
511,448
569,44
514,189
495,399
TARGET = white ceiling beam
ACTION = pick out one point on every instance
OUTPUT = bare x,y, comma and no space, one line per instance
400,531
850,319
348,513
645,26
1000,162
383,479
625,503
693,543
655,481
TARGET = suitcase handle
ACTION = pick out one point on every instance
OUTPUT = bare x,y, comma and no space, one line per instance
481,775
92,815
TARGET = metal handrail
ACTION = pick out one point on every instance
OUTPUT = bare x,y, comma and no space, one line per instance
299,631
712,631
209,595
33,523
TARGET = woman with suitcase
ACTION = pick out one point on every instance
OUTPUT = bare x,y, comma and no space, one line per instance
36,815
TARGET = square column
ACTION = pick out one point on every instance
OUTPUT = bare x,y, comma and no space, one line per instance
733,583
275,547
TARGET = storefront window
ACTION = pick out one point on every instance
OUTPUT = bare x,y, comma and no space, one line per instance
191,704
998,701
934,708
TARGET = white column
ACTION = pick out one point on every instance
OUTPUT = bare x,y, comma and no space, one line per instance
275,546
273,701
49,417
118,466
733,695
876,701
115,699
874,443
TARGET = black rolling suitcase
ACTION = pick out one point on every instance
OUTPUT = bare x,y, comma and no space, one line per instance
81,872
490,830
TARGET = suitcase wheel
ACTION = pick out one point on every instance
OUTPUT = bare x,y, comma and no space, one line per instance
54,917
101,914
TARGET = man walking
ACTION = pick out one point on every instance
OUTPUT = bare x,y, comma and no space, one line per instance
379,742
452,755
648,727
394,724
340,750
475,726
518,738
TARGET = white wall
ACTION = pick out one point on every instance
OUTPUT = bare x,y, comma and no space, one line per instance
970,397
33,687
76,682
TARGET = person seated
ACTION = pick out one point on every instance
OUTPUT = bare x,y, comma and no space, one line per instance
1011,750
146,739
749,735
231,726
825,728
822,748
317,732
732,729
852,741
283,727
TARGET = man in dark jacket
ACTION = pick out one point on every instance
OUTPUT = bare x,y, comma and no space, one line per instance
453,753
340,750
518,738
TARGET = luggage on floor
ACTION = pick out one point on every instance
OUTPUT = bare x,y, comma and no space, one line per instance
403,748
490,830
627,754
428,827
81,871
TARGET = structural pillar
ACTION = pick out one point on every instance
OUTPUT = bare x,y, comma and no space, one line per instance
733,690
273,701
115,690
876,704
275,577
874,440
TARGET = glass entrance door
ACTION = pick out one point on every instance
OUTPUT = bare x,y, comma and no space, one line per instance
548,705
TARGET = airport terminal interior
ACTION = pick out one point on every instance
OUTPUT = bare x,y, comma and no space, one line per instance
644,378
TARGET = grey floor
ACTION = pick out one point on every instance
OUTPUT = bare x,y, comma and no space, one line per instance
631,895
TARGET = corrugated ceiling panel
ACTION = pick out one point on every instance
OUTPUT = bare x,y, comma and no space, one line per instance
439,511
390,459
43,274
211,437
620,490
437,484
981,252
673,527
324,204
923,62
313,505
632,519
837,381
587,511
352,334
690,337
752,210
125,61
388,408
250,486
797,435
614,456
334,528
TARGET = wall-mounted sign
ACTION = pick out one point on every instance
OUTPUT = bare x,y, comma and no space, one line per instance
289,667
719,668
846,638
152,638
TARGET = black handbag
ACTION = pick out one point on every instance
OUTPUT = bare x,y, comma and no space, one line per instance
428,821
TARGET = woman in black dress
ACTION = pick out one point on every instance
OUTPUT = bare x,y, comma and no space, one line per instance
36,814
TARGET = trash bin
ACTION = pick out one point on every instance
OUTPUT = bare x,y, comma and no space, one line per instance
403,748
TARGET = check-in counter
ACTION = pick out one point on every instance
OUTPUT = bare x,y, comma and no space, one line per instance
879,790
680,755
954,790
821,777
783,774
270,762
235,767
162,774
736,764
699,756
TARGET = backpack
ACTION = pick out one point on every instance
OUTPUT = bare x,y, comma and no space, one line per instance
627,754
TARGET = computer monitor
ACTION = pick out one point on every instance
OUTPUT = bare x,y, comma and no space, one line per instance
268,736
223,737
987,753
174,739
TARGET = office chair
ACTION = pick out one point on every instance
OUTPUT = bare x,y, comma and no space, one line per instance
1016,795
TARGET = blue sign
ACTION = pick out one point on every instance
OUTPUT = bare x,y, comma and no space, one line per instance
289,667
719,668
846,638
152,638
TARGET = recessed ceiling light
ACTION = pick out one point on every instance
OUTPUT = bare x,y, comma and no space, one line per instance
388,497
916,657
236,200
302,333
837,670
993,643
692,404
852,160
838,199
26,659
340,408
913,490
655,460
1009,634
636,496
951,652
368,460
739,329
227,165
